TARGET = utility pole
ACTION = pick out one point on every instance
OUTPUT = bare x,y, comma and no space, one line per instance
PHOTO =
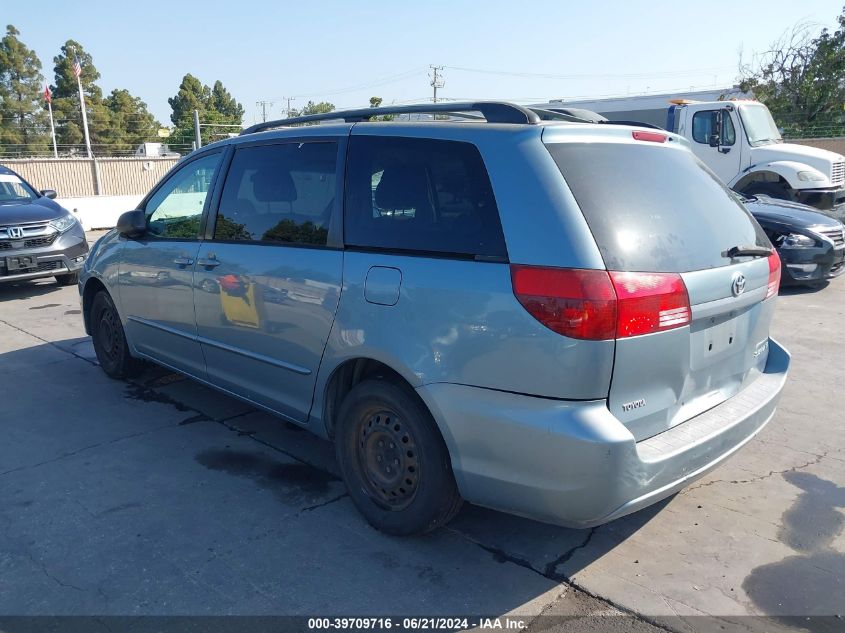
288,99
436,80
197,135
264,105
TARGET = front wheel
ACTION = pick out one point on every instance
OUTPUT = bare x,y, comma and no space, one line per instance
110,340
394,460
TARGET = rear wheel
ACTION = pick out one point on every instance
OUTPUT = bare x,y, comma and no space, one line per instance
393,459
71,279
109,339
772,189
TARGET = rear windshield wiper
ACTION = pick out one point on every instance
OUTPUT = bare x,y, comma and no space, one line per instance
747,251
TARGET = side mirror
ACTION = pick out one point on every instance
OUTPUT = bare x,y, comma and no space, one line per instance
49,193
132,223
714,140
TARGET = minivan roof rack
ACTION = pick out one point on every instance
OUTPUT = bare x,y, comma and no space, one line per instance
492,111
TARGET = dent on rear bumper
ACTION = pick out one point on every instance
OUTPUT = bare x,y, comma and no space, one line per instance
573,463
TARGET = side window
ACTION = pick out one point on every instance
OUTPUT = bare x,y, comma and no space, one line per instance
704,122
175,210
279,193
420,195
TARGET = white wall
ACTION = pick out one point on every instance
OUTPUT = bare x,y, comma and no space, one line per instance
99,212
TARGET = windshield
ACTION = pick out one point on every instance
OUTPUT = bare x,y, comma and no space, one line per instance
759,124
13,189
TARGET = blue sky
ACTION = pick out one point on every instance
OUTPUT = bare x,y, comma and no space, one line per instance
346,52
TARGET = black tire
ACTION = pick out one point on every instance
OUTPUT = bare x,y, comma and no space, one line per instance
393,459
110,340
771,189
71,279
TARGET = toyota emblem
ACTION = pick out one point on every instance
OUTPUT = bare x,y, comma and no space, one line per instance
738,284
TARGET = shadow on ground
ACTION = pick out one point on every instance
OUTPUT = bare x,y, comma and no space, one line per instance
161,496
10,291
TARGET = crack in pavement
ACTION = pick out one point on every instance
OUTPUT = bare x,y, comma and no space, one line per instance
50,343
502,556
551,568
43,568
88,448
817,459
323,504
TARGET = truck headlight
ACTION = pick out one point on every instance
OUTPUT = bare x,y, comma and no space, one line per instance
813,175
63,223
796,240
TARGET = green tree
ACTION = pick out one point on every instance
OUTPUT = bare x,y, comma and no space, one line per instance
192,95
131,122
375,102
222,102
22,118
218,111
800,79
317,108
66,107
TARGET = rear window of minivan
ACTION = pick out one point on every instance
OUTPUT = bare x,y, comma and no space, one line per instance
424,196
654,209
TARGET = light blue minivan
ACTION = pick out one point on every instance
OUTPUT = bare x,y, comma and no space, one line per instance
563,320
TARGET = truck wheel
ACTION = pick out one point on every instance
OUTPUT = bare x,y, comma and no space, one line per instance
771,189
394,460
110,340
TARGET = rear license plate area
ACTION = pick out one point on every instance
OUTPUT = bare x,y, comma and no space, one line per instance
18,263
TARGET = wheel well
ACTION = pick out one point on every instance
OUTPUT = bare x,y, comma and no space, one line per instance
760,177
92,287
345,377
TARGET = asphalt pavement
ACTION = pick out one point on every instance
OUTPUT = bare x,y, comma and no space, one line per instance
160,496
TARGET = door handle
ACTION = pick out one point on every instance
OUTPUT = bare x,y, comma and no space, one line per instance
183,261
208,262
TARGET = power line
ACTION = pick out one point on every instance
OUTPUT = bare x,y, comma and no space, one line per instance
363,86
645,75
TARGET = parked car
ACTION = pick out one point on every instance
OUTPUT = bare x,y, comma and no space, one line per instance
811,245
469,309
38,237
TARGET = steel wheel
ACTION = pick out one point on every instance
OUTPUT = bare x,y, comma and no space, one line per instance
393,459
108,334
387,457
109,339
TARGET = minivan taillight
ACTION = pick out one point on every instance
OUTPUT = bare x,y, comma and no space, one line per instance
601,305
573,302
774,275
649,302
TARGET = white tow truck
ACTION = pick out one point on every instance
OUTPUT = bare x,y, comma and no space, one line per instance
739,140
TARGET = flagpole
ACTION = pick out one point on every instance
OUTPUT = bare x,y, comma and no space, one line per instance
77,70
52,129
84,116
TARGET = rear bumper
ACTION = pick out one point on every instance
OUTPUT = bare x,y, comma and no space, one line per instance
574,463
64,256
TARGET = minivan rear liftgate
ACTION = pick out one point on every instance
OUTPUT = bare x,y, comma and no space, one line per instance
694,276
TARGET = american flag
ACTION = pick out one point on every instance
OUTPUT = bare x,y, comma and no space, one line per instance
48,94
77,66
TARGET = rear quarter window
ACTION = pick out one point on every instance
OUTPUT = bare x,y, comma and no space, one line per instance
420,195
654,209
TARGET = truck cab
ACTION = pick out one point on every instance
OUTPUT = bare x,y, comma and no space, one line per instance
740,142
